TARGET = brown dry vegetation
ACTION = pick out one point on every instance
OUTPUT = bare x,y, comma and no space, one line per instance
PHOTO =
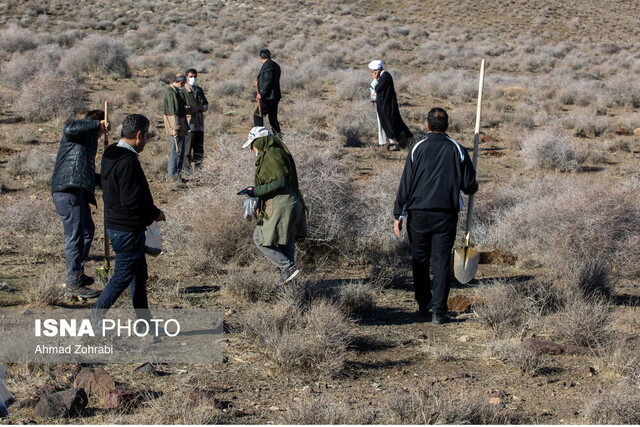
557,208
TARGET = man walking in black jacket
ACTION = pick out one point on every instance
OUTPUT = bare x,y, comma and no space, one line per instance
436,170
72,187
129,209
268,97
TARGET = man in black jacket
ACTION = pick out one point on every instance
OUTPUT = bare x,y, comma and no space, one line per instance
436,170
72,186
268,97
129,209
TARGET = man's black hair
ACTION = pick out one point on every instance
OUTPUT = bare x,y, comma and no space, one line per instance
94,115
265,54
132,124
192,71
438,120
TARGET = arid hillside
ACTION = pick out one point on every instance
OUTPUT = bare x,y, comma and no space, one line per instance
547,332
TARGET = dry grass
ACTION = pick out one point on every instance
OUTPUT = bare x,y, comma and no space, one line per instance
619,405
432,405
327,411
514,353
583,322
45,291
550,149
48,96
311,340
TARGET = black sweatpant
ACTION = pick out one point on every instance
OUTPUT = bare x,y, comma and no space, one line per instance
270,108
432,235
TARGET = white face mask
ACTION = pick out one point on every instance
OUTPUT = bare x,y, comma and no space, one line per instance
193,81
256,154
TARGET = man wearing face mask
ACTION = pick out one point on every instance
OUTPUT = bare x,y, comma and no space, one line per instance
195,99
175,125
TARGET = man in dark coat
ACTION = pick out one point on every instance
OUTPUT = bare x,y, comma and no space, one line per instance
72,186
383,93
268,96
129,209
436,170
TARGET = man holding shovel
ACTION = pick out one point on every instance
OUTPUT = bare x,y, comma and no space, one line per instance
129,209
72,186
436,170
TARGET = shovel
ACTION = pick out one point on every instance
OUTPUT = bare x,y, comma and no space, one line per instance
466,259
105,271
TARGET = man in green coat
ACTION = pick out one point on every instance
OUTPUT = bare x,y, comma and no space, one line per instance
175,124
282,208
195,99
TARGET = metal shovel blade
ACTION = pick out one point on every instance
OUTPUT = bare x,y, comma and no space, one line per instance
465,263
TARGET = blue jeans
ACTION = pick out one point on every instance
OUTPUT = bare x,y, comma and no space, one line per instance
130,271
175,159
78,231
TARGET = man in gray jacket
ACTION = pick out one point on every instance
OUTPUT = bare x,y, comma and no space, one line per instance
72,186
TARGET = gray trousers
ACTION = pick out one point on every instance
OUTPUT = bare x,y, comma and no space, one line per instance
78,231
283,256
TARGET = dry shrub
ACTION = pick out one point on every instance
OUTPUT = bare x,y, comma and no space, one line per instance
588,279
208,229
357,297
48,96
29,215
98,55
18,39
23,67
583,322
312,340
618,405
327,411
35,163
506,306
432,405
442,350
550,149
44,291
176,409
359,126
558,220
514,353
250,285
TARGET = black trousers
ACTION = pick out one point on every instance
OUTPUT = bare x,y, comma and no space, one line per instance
194,148
270,108
432,235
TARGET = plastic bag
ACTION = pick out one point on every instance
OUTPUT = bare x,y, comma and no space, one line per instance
153,243
250,206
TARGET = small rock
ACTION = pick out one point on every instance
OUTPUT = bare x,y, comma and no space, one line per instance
636,131
63,404
464,338
146,368
274,408
28,403
588,371
96,382
202,398
494,401
569,384
123,401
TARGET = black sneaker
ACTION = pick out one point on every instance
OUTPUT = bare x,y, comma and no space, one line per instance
289,274
87,280
439,319
81,291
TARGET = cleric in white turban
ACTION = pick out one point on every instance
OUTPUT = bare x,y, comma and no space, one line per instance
390,124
